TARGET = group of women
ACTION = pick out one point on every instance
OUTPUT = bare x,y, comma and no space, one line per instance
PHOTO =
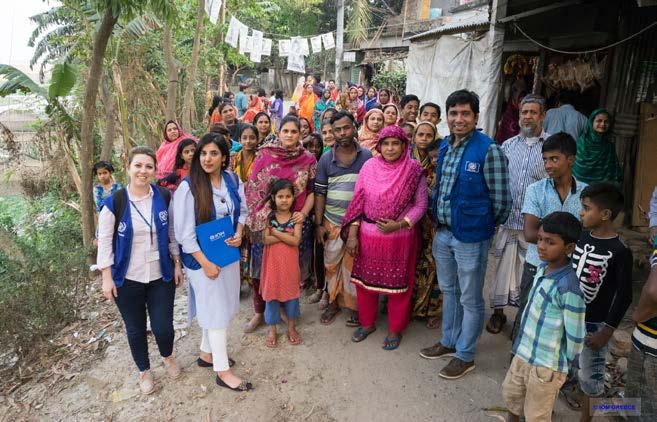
149,234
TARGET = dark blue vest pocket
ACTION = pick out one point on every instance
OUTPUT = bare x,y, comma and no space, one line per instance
476,216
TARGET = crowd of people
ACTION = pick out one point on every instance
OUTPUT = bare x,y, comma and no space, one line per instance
356,199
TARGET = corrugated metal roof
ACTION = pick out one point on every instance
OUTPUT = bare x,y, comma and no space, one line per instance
461,22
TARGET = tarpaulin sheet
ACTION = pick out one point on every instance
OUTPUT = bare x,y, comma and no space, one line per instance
439,66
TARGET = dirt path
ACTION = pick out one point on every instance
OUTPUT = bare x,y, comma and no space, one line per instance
328,378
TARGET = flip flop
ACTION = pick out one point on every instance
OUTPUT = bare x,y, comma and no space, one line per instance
391,344
328,316
361,334
294,342
352,321
570,395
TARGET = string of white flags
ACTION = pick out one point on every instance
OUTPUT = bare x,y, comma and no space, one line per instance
295,48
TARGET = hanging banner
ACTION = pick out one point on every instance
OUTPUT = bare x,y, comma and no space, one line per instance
328,41
349,56
316,43
266,47
283,48
233,34
212,8
256,48
295,63
244,33
247,45
300,45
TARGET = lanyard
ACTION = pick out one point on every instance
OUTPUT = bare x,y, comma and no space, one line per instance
148,223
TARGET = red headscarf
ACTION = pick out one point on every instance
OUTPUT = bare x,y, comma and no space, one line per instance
166,153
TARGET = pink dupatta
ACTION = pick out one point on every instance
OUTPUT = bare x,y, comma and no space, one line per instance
166,153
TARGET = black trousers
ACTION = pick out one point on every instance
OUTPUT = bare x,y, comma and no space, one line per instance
133,300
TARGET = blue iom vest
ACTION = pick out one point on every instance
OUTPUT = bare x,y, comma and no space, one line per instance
124,234
472,218
232,186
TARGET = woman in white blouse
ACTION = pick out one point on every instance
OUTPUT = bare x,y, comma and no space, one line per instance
211,193
138,257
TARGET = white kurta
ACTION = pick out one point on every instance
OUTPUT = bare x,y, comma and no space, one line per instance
213,302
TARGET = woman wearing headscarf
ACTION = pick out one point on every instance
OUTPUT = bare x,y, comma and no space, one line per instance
596,159
307,103
255,107
283,158
368,137
353,103
263,123
385,97
371,99
324,103
390,198
390,115
426,294
166,153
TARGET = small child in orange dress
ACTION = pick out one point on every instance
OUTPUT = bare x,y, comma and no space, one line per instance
281,275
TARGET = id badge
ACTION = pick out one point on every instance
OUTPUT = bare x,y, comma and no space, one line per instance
152,256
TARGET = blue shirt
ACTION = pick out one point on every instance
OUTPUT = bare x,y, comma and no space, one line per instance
242,103
542,199
565,119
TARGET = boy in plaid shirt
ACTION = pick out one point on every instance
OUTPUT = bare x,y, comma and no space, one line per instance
552,327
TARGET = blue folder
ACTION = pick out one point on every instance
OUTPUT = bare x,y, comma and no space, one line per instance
212,240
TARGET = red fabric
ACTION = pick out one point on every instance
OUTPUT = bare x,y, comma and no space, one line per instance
258,301
281,275
166,153
399,308
255,107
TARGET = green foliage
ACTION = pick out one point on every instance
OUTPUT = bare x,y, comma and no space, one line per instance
62,80
17,81
41,265
393,80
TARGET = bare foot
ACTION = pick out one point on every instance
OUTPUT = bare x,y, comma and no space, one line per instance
270,341
255,322
293,336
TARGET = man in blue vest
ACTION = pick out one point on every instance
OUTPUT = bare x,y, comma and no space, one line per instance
470,198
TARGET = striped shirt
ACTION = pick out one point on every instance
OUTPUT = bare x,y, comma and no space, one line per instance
552,327
542,199
496,174
525,167
336,182
644,336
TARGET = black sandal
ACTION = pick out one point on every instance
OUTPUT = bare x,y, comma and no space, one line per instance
570,394
244,386
205,364
496,323
352,321
361,334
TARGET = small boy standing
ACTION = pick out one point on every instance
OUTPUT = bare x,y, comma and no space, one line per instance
551,330
603,264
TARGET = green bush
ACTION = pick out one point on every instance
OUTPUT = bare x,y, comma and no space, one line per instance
393,80
42,263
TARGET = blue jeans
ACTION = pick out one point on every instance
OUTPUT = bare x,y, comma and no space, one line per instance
461,269
273,310
133,299
592,363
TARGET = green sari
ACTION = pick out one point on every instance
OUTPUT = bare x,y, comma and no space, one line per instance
596,159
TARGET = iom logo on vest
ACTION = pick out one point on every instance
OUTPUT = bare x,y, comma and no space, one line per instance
121,229
471,167
164,216
217,236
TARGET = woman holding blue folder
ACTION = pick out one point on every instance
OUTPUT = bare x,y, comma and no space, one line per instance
210,211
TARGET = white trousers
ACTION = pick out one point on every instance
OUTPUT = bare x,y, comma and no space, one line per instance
214,341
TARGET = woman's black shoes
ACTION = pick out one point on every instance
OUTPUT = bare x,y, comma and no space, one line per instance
203,364
244,386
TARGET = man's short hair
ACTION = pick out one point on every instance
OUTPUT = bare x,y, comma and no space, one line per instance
430,104
462,97
407,99
533,99
563,224
561,142
606,196
341,115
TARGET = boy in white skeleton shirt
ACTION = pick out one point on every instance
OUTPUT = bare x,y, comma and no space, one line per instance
603,264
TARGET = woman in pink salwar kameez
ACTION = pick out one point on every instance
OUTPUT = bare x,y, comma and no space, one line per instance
390,197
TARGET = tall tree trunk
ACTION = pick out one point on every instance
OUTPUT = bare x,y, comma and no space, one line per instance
123,110
222,87
87,127
172,75
188,99
110,126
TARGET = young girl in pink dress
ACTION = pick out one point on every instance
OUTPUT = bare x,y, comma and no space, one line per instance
281,275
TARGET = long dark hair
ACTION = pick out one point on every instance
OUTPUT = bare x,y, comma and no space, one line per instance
181,146
200,180
216,100
275,187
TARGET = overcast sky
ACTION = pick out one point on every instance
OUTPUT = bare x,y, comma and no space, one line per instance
15,30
